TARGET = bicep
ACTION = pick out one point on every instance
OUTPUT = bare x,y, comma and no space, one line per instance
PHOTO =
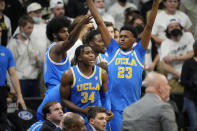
65,85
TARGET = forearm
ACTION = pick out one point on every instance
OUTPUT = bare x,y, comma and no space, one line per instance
71,106
157,39
102,28
185,57
170,69
148,28
16,84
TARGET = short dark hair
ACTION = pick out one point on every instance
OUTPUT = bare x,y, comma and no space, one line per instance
168,34
92,112
23,20
90,36
55,25
131,29
108,24
78,52
137,17
46,107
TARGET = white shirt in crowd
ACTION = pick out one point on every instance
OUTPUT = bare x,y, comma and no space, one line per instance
172,48
162,20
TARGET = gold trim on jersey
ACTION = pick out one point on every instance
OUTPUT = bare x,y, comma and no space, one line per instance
74,78
100,76
62,63
138,59
87,77
114,56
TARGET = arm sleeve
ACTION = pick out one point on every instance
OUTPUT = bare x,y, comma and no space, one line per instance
168,122
112,48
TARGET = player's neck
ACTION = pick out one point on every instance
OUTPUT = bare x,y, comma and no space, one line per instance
86,70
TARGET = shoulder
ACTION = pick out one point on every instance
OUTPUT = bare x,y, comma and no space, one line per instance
188,34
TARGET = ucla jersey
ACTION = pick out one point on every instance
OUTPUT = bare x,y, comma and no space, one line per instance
102,58
125,75
52,71
85,90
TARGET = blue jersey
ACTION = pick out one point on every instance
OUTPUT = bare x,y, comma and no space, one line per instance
125,75
52,71
85,90
6,61
52,95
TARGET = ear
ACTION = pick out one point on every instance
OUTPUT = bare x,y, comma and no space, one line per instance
91,121
54,35
79,58
91,43
48,116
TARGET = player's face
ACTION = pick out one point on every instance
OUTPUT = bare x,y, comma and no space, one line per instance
56,113
99,46
126,40
58,11
28,28
171,5
88,57
99,122
62,34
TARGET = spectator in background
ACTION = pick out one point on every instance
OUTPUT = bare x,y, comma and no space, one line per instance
7,64
189,8
151,112
14,10
53,114
163,18
57,8
189,82
100,5
38,35
110,28
26,58
5,24
117,11
97,119
76,8
129,14
116,35
174,51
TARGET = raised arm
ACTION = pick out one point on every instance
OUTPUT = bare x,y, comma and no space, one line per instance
65,90
73,36
99,21
148,28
